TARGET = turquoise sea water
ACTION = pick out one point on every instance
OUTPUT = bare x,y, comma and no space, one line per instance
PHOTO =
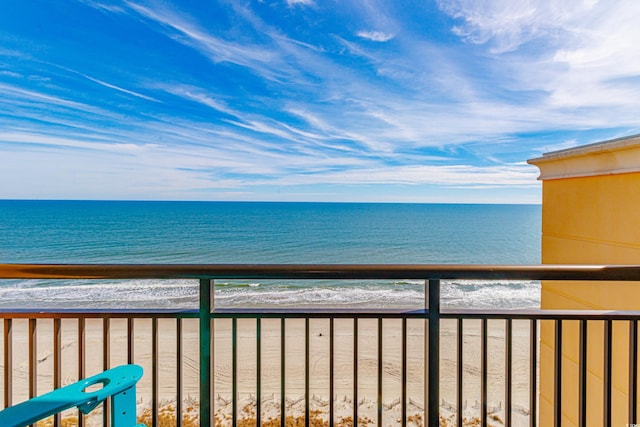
248,232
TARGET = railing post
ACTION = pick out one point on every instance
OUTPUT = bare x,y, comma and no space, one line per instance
433,379
205,351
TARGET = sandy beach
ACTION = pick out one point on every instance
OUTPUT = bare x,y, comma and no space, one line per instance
319,365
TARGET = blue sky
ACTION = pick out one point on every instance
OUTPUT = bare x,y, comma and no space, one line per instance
307,100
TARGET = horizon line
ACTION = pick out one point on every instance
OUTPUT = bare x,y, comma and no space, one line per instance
267,201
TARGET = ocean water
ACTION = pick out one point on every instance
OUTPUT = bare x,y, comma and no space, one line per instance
256,232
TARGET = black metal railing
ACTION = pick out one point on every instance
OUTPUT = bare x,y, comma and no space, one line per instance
431,316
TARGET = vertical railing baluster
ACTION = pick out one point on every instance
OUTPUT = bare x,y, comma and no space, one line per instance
608,335
234,371
557,375
508,378
179,361
582,381
155,367
404,372
57,364
258,371
307,377
106,343
633,371
483,372
533,376
459,371
331,372
106,356
434,352
355,372
380,372
282,372
130,341
206,342
81,360
8,362
33,358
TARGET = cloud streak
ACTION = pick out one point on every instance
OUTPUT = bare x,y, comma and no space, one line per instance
376,36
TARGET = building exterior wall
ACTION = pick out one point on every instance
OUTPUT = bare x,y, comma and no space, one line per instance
590,215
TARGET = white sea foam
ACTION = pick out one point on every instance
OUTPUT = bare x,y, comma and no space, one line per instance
183,294
490,294
100,294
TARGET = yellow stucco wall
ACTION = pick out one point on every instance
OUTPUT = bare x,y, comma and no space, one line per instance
590,215
591,220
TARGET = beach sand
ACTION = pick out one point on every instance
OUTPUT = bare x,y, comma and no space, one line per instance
319,365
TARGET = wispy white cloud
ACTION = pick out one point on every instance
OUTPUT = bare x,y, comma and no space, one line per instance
578,56
102,6
67,142
214,47
198,95
47,173
604,66
10,74
523,176
300,2
119,89
507,25
296,42
570,143
17,92
376,36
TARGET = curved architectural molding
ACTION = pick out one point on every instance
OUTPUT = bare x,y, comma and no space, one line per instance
603,158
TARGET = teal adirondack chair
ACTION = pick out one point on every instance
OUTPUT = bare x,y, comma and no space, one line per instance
118,383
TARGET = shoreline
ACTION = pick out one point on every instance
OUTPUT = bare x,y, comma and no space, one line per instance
36,294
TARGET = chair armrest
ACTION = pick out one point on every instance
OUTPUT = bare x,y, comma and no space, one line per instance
114,381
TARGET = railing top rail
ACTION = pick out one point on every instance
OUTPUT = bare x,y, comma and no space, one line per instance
311,313
320,271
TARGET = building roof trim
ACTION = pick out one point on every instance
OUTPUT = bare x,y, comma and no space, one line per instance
615,156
